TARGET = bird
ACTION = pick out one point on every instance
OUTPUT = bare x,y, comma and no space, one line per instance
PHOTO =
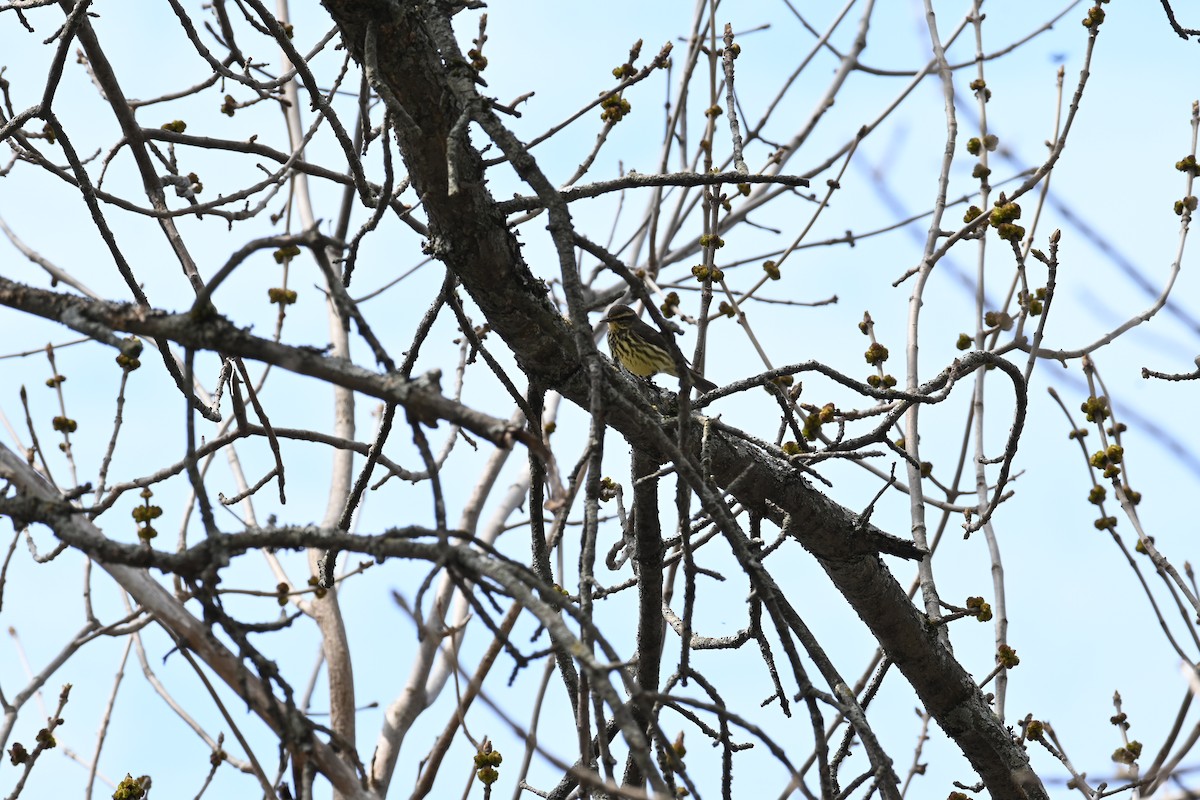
642,349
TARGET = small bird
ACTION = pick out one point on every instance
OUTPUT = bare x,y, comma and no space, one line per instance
642,349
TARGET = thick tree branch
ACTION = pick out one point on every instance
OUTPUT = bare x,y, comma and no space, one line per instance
469,234
200,332
38,501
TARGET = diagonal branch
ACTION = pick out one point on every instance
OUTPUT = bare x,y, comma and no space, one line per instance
200,332
468,233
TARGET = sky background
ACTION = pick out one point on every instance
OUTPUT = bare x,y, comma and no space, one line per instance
1082,628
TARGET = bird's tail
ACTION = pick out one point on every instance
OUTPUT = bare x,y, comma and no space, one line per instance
702,383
